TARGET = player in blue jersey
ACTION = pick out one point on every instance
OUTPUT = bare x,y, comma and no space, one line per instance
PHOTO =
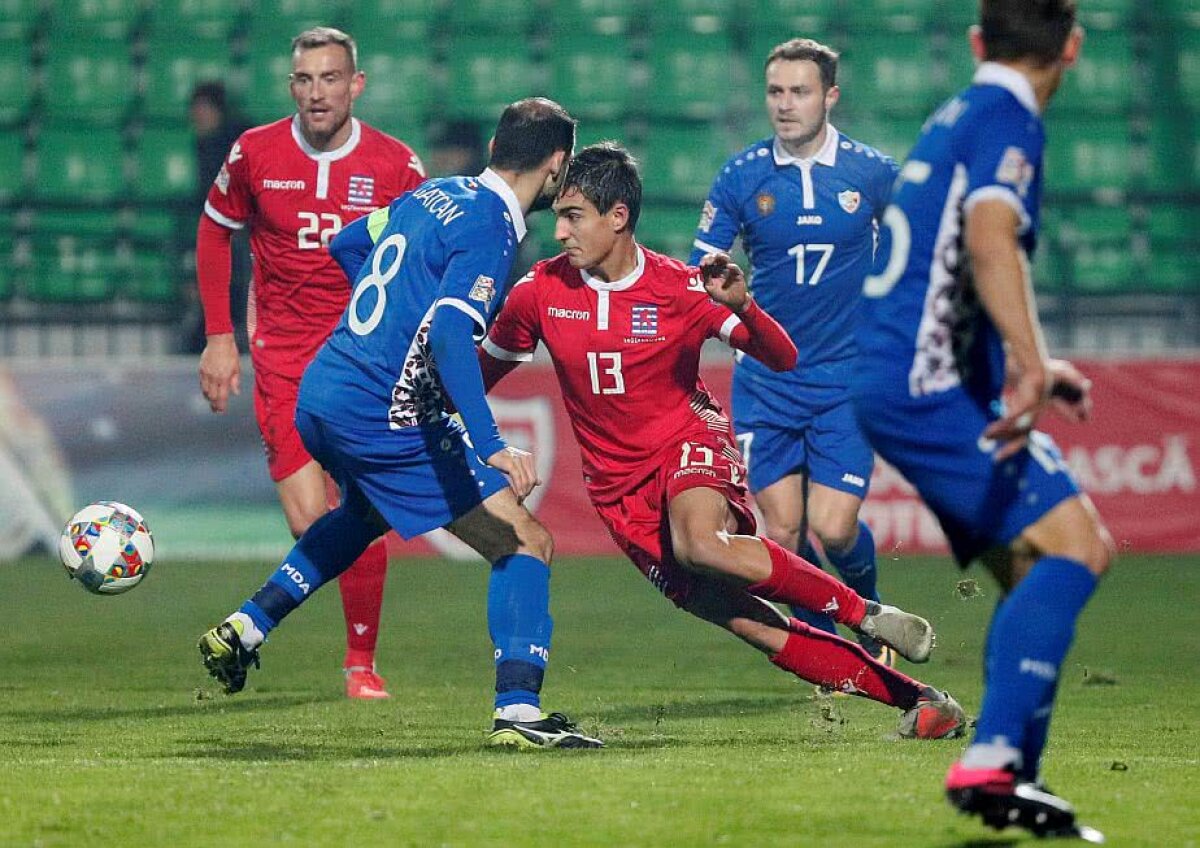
806,203
953,374
430,273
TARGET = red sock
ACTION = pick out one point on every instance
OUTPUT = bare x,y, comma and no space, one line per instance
798,582
840,664
362,598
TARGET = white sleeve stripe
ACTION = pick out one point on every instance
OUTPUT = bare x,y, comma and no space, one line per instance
731,324
223,220
708,248
496,352
463,306
995,192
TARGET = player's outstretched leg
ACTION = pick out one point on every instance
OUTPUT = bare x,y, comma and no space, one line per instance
819,620
361,587
856,566
325,550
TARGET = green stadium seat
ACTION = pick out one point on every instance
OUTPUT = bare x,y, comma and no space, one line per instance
91,224
1049,269
408,21
896,15
19,18
681,163
591,76
953,17
778,20
482,17
183,19
269,97
79,166
602,17
295,16
13,165
16,79
154,225
1106,15
70,269
173,67
166,165
401,87
1186,70
149,278
700,16
1186,12
1104,80
591,132
669,229
1089,154
109,19
958,69
1099,239
1173,271
488,73
92,81
1174,244
895,137
7,271
690,75
888,73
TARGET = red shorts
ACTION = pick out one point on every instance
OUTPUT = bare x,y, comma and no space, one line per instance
639,524
275,408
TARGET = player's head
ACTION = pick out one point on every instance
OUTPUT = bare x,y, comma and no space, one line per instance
801,89
534,134
598,204
208,107
1041,34
325,81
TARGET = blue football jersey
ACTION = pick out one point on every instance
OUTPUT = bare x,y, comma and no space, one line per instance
923,329
448,244
809,228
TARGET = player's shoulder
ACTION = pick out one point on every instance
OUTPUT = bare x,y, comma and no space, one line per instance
556,270
750,162
265,137
994,110
858,155
670,274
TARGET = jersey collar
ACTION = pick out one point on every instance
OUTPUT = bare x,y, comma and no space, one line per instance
495,182
617,285
827,155
1012,81
327,155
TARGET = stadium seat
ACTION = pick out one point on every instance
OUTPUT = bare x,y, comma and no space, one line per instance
401,83
1104,80
1049,268
108,19
16,79
779,20
1084,155
1106,14
92,224
1186,70
13,167
888,73
71,269
407,21
591,76
295,16
953,17
481,17
488,73
669,229
149,278
702,16
268,96
690,75
897,15
92,80
895,137
166,165
19,18
79,166
590,132
602,17
1174,244
681,162
1185,12
185,19
173,67
155,225
1099,242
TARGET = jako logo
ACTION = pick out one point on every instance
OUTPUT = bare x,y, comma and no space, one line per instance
297,578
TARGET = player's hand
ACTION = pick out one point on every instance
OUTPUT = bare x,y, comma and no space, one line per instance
519,467
1028,397
220,371
1070,391
725,282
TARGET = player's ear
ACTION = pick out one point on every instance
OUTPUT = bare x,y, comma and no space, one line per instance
357,83
975,39
832,96
1073,47
618,217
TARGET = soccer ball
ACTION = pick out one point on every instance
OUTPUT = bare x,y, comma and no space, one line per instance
107,547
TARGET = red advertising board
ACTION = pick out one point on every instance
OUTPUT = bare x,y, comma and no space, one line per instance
1137,459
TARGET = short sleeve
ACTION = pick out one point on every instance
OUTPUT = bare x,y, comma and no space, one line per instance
719,218
230,200
1003,161
882,182
515,335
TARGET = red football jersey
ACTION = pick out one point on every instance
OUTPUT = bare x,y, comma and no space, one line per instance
627,355
295,199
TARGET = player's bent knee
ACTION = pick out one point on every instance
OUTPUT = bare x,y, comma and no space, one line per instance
786,534
535,539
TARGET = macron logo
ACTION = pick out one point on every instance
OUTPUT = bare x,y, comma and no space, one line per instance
572,314
283,185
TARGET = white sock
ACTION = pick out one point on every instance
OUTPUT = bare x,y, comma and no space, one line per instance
251,637
992,755
519,712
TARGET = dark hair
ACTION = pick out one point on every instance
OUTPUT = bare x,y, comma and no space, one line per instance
213,92
322,36
606,174
529,132
1026,29
807,50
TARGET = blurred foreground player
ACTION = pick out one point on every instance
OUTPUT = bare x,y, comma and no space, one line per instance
953,374
430,272
624,327
295,183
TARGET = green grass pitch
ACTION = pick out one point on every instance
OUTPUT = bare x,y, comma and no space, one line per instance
111,734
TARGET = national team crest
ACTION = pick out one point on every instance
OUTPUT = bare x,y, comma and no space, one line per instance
362,190
644,321
765,203
484,289
849,200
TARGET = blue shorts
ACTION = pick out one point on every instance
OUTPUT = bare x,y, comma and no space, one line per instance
935,442
818,436
418,479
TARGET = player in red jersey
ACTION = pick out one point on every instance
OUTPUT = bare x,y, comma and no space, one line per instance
296,182
624,327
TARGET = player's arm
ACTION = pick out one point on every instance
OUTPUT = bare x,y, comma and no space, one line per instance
756,332
353,243
514,334
719,220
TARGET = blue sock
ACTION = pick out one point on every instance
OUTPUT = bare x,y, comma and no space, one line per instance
856,566
327,548
1030,634
813,619
520,626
